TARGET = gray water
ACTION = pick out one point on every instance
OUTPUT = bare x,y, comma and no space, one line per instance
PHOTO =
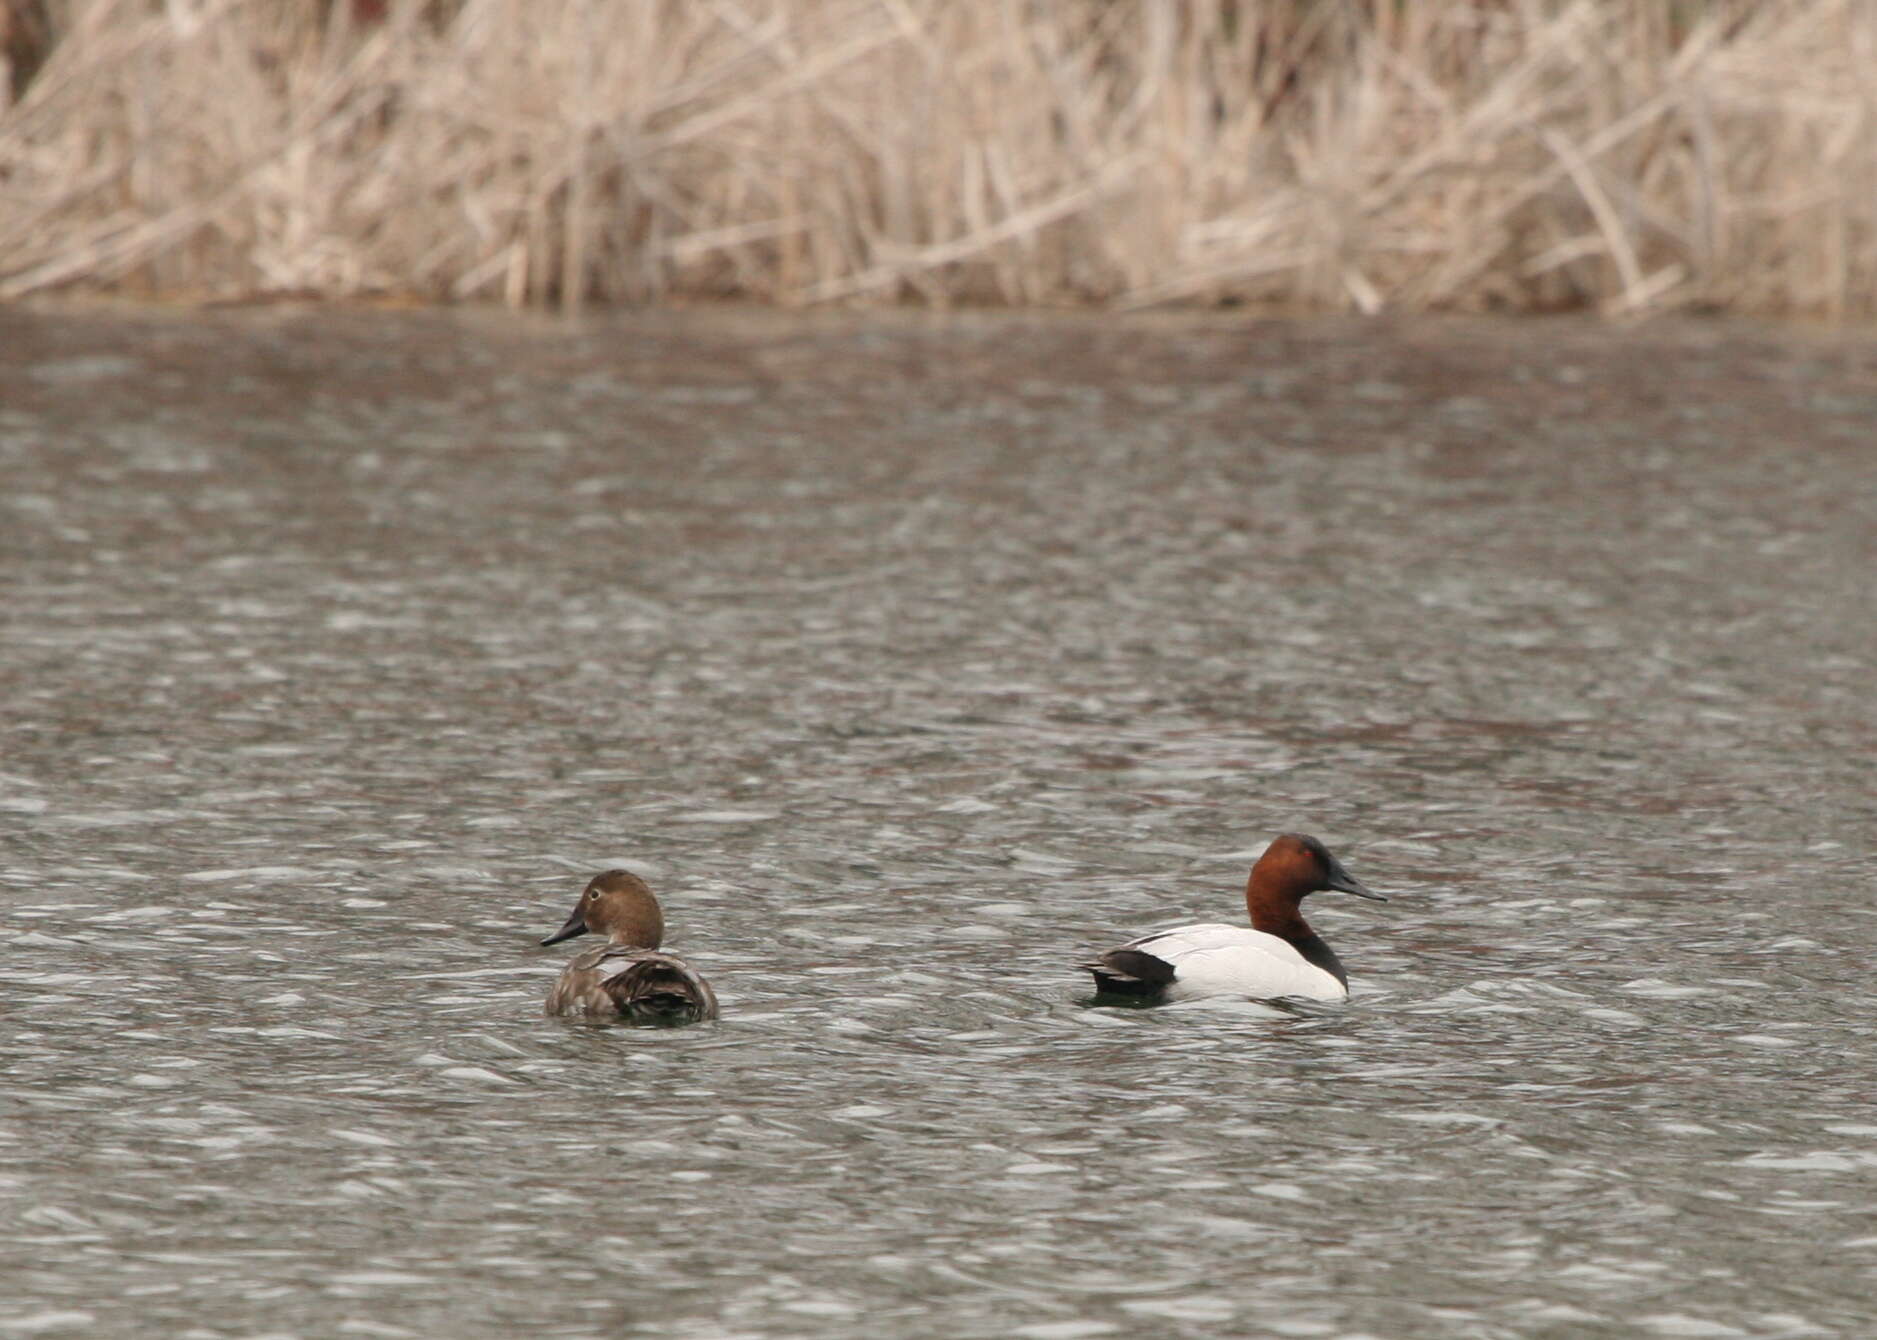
912,660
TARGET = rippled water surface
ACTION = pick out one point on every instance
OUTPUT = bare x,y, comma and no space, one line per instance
912,660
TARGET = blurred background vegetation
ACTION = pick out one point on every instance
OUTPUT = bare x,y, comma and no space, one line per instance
1522,155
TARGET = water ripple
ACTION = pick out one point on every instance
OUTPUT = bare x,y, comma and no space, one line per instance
913,661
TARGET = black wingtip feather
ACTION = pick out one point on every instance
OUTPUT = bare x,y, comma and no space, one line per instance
1130,972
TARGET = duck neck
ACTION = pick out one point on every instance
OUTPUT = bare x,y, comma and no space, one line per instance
1283,917
640,933
637,923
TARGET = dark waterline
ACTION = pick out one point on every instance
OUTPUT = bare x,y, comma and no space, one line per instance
913,659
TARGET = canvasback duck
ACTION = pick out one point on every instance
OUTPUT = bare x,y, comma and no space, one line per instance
1279,956
626,977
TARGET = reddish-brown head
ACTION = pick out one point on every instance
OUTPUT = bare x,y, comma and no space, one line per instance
620,906
1292,868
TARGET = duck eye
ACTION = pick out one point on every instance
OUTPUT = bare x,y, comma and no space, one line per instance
593,895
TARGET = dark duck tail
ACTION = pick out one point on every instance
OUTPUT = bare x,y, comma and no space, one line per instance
661,990
1129,972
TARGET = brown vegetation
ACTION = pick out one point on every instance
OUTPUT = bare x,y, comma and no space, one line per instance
1363,154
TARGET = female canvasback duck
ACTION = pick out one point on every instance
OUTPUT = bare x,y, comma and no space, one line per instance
1280,956
626,977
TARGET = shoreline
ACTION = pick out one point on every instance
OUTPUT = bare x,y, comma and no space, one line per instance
1621,159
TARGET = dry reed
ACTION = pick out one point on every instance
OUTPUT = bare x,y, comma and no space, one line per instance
1627,155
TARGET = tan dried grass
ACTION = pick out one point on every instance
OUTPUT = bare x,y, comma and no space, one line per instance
1352,154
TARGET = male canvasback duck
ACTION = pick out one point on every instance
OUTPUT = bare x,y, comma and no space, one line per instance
1279,956
626,977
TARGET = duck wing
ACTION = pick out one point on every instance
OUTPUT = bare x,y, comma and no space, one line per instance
657,988
642,985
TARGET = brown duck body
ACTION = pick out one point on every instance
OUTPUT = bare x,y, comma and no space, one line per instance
642,985
627,977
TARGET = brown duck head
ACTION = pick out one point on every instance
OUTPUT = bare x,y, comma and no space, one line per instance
620,906
1292,868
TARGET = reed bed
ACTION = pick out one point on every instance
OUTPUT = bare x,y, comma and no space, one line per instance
1622,155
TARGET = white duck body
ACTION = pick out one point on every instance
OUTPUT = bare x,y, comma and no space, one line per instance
1277,956
1214,959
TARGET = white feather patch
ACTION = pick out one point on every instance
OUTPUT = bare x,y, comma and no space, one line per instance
1214,959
